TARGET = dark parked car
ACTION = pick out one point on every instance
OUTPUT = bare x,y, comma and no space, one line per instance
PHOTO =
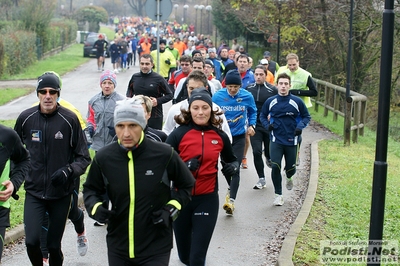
91,38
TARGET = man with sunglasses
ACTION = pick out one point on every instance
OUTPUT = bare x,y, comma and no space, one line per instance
57,145
186,67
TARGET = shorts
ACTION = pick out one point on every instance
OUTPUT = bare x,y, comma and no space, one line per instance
114,58
98,55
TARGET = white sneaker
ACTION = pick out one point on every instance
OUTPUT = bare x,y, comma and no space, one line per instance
82,245
116,71
289,183
278,200
260,184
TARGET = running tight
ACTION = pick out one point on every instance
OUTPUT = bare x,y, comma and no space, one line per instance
194,228
34,213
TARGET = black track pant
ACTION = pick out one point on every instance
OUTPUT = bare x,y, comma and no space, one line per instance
238,143
155,260
261,137
34,213
194,228
75,215
4,223
290,154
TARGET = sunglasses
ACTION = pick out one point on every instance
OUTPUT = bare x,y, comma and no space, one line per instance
44,92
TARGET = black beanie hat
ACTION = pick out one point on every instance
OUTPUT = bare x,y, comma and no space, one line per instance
48,79
200,94
233,78
164,41
196,52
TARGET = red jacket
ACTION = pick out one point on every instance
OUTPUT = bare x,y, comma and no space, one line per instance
208,143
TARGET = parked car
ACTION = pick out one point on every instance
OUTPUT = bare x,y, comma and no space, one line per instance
91,38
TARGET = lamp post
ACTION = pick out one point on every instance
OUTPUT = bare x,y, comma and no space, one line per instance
279,30
176,11
196,7
201,7
185,8
208,8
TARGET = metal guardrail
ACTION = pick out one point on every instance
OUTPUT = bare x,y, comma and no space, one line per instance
333,98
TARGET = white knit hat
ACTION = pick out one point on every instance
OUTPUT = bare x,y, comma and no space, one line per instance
129,110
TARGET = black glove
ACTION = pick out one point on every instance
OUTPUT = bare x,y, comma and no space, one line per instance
102,215
163,217
111,131
270,127
297,131
61,176
90,129
229,169
194,163
295,92
168,62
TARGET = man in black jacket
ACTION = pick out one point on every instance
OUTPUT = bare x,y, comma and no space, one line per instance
59,154
149,83
136,173
261,91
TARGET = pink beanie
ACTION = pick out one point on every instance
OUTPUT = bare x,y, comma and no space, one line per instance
109,75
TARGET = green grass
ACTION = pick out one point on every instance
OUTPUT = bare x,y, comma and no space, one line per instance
62,63
8,94
8,123
109,32
341,210
66,61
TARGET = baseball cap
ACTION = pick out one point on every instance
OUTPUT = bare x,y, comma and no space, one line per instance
267,53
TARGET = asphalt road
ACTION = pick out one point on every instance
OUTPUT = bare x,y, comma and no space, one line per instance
252,236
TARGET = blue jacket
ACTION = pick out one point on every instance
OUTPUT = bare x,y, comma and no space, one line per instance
134,43
286,113
217,67
248,78
240,110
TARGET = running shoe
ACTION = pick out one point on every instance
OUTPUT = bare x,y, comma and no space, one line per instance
289,183
244,163
278,201
260,184
82,244
229,207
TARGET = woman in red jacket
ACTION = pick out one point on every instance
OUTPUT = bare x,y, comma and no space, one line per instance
200,142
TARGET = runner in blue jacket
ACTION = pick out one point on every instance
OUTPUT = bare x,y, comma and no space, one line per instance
284,116
241,113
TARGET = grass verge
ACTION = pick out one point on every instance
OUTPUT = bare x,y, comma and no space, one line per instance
62,63
66,61
8,94
341,210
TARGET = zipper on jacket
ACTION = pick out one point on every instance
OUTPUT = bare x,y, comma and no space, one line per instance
202,152
44,136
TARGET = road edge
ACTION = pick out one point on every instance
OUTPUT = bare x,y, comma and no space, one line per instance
286,253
